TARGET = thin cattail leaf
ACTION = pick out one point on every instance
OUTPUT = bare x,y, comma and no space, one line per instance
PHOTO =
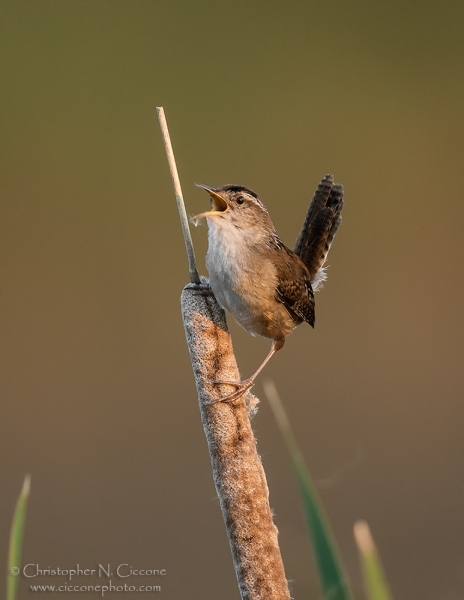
333,581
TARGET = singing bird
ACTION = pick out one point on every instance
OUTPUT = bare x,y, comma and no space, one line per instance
268,288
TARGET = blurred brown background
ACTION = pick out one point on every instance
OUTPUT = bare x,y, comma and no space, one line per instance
97,396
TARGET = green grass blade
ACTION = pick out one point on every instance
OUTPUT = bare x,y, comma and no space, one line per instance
16,539
333,581
374,580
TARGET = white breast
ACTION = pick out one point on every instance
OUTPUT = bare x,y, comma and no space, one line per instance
243,278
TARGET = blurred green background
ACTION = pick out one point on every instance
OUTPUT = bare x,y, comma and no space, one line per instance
97,395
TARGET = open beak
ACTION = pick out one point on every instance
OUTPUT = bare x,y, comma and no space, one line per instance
219,204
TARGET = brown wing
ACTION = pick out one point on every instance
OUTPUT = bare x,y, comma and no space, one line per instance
294,289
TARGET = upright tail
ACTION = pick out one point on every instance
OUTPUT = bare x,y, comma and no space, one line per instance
322,221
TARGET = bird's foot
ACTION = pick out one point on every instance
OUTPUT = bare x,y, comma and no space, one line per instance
200,289
242,388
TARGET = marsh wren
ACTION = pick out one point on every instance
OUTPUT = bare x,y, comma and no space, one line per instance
268,288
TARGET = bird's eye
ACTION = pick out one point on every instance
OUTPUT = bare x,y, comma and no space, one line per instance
240,200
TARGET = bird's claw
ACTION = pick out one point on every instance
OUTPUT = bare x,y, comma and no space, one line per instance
200,289
242,388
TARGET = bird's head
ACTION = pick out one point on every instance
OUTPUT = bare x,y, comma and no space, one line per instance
235,206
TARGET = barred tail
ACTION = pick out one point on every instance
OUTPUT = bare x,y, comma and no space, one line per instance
321,224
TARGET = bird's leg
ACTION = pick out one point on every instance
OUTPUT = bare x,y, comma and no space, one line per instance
246,384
